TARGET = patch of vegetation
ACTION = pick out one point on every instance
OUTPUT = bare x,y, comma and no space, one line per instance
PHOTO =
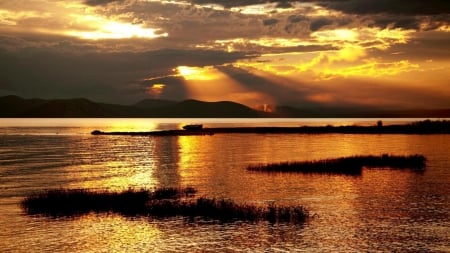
164,202
226,210
347,165
68,202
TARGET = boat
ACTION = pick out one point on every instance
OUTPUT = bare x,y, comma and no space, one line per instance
193,127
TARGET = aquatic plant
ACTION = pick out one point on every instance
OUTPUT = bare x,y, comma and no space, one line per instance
165,202
171,193
68,202
225,210
346,165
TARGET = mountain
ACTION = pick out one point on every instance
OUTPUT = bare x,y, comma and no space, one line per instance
13,106
17,107
200,109
71,108
154,103
344,112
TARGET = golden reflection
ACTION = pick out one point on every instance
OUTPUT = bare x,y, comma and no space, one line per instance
116,234
122,162
136,125
189,157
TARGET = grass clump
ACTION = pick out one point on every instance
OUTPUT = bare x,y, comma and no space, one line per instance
69,202
164,202
346,165
225,210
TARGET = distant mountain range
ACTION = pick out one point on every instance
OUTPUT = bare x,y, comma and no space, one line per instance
17,107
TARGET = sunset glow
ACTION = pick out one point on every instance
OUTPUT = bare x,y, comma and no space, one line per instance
286,51
197,73
106,29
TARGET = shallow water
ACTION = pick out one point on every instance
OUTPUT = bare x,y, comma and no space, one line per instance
381,210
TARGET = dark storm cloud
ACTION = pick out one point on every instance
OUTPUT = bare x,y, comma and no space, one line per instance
283,4
296,18
410,22
410,7
228,3
427,45
319,23
100,2
107,77
269,22
405,22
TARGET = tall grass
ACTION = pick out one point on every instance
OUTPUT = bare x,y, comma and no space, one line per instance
165,202
226,210
347,165
68,202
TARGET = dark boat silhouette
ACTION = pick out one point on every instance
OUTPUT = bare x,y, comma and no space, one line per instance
193,127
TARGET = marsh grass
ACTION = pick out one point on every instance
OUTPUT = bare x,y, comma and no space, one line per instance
161,203
69,202
347,165
225,210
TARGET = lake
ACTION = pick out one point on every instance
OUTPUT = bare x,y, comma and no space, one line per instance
380,210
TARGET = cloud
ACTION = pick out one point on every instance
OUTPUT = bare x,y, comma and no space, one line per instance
271,21
100,2
319,23
279,92
310,42
108,77
228,3
410,7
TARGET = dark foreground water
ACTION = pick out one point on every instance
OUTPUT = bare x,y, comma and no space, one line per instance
381,210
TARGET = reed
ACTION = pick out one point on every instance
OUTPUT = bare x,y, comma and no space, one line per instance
225,210
165,202
346,165
173,193
69,202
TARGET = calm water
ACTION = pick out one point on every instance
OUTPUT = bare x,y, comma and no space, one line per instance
382,210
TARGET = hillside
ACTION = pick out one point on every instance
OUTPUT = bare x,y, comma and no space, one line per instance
200,109
17,107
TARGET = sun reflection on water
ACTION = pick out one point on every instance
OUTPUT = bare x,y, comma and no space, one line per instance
116,234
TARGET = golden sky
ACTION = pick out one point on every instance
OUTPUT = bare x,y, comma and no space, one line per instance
356,53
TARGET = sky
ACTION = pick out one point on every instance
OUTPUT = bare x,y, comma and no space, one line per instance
342,53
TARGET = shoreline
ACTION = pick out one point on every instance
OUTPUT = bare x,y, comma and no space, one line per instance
420,127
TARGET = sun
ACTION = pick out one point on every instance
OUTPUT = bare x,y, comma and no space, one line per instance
101,28
187,71
197,73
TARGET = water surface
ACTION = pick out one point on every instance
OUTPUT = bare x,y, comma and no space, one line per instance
381,210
